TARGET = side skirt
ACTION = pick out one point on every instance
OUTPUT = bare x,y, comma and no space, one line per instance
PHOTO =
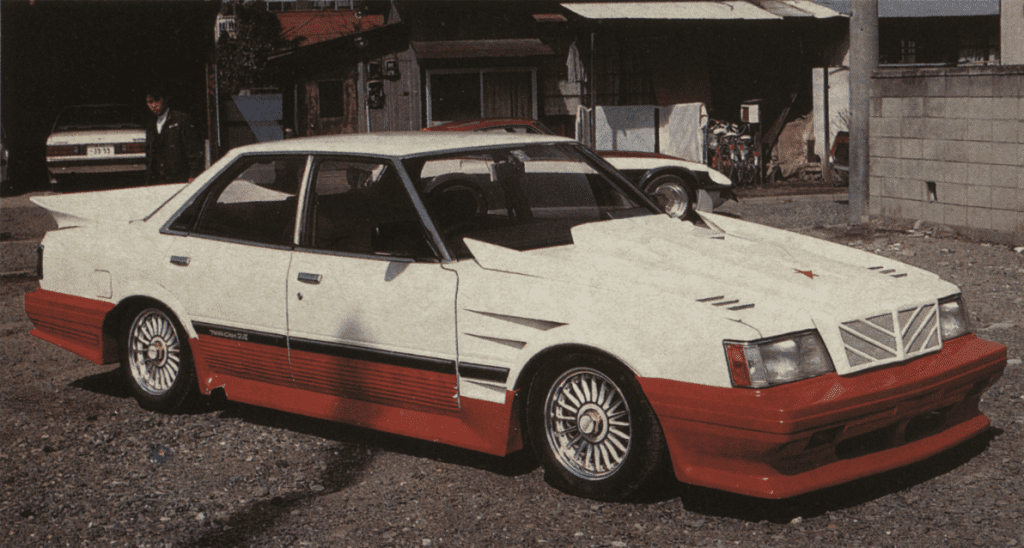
262,377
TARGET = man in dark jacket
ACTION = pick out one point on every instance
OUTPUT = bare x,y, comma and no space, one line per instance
172,149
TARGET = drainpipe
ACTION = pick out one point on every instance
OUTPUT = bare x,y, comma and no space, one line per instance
593,92
364,89
863,60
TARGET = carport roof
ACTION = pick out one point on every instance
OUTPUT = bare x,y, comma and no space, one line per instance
923,8
452,49
702,10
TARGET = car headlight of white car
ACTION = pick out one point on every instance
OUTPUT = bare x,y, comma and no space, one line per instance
953,319
778,360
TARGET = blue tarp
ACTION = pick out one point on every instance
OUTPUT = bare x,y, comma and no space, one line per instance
263,113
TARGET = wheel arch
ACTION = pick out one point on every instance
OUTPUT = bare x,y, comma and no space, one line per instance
138,301
552,353
157,294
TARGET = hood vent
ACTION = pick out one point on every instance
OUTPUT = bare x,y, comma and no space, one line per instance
888,271
722,301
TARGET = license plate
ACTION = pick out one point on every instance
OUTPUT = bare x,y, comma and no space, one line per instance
100,151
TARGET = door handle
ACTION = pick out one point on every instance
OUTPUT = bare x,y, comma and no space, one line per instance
180,261
306,277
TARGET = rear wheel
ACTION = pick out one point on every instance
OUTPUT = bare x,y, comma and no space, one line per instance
673,194
156,360
592,428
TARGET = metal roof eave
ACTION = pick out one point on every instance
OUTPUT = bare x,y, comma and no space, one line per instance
702,10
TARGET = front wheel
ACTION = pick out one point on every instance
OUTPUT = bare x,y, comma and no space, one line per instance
673,194
156,360
592,429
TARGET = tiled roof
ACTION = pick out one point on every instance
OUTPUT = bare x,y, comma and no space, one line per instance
319,26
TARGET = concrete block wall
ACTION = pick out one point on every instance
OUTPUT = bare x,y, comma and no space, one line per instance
947,147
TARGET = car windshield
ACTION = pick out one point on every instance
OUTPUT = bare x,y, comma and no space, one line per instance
520,197
98,117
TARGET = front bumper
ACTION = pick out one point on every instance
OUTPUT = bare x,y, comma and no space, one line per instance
804,436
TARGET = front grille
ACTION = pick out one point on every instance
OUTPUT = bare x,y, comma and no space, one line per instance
892,336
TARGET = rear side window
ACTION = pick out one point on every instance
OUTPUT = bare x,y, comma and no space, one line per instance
256,201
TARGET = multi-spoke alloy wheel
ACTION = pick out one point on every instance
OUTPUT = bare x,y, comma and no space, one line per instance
588,423
155,352
591,427
156,360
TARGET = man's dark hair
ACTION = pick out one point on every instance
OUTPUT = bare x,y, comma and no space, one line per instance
158,90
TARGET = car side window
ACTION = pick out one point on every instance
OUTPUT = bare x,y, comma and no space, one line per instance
255,201
360,206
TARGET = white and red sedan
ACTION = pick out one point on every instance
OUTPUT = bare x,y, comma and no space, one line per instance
501,291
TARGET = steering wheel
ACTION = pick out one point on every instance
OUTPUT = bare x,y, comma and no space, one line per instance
456,205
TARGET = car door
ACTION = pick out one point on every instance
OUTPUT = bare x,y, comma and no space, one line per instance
228,267
371,310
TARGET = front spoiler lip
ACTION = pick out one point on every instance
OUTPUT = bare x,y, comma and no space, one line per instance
789,440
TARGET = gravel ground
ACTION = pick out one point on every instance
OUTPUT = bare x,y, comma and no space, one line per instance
82,465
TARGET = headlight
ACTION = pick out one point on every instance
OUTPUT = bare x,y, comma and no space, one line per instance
953,321
778,360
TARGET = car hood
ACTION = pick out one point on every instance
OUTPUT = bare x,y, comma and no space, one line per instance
85,208
774,281
96,136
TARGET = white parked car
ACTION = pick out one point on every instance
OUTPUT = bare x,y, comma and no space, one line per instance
502,291
676,185
90,139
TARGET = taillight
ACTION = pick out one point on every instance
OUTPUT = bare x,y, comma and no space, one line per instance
132,148
62,150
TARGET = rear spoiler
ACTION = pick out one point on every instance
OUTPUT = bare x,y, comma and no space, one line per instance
87,208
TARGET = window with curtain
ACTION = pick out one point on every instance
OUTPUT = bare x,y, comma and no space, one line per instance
485,93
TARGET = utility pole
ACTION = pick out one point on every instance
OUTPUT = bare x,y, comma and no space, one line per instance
863,60
826,157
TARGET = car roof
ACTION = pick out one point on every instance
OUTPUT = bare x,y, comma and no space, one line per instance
399,143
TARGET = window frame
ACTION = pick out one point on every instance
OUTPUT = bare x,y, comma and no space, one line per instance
423,219
219,182
480,71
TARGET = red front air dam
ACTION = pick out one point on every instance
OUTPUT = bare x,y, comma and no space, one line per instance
804,436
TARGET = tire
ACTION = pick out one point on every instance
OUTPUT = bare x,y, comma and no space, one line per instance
621,446
156,361
674,194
